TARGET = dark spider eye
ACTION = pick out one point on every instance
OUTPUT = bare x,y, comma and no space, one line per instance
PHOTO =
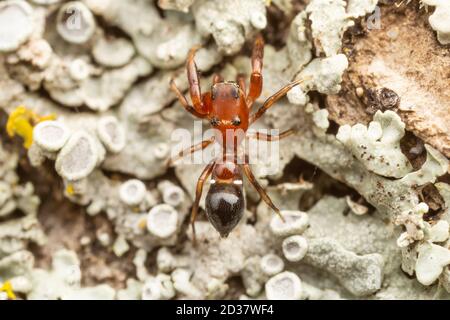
214,122
236,121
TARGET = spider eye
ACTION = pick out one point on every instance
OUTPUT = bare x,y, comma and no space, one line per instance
214,121
236,121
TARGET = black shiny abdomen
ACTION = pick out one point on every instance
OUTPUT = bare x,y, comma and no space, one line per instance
225,205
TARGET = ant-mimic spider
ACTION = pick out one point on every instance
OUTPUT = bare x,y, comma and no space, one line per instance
227,106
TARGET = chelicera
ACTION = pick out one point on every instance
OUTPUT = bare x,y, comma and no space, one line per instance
227,107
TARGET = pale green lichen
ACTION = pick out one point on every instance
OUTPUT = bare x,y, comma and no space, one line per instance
436,165
298,45
430,263
348,256
321,74
16,234
229,29
440,19
444,190
328,23
78,158
358,8
63,281
378,145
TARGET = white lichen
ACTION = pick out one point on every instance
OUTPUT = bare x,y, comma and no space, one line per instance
15,196
358,8
361,275
113,52
321,74
132,192
271,264
284,286
182,283
162,221
230,30
171,194
51,136
435,166
295,223
328,23
338,255
158,288
413,222
181,5
111,133
430,262
75,22
294,248
63,281
439,232
378,145
78,158
356,208
120,246
298,44
440,19
16,24
167,261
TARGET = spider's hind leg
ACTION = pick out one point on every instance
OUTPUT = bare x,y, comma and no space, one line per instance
249,174
198,194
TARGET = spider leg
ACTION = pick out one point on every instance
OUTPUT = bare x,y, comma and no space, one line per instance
256,78
274,98
249,174
241,82
272,137
194,82
188,151
217,78
184,101
198,194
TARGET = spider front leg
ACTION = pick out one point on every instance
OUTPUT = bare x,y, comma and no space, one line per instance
194,82
256,79
184,101
272,137
249,174
272,99
199,108
217,78
198,194
241,82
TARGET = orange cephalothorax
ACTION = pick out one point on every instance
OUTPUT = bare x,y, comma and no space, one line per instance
227,107
228,113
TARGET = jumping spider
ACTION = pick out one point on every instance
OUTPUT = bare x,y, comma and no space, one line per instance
227,106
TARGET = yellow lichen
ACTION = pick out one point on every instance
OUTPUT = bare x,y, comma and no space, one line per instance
7,287
142,224
21,122
69,189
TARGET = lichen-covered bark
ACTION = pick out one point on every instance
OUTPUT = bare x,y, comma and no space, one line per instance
90,208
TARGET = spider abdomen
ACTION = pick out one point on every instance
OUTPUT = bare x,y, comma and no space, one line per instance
225,205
